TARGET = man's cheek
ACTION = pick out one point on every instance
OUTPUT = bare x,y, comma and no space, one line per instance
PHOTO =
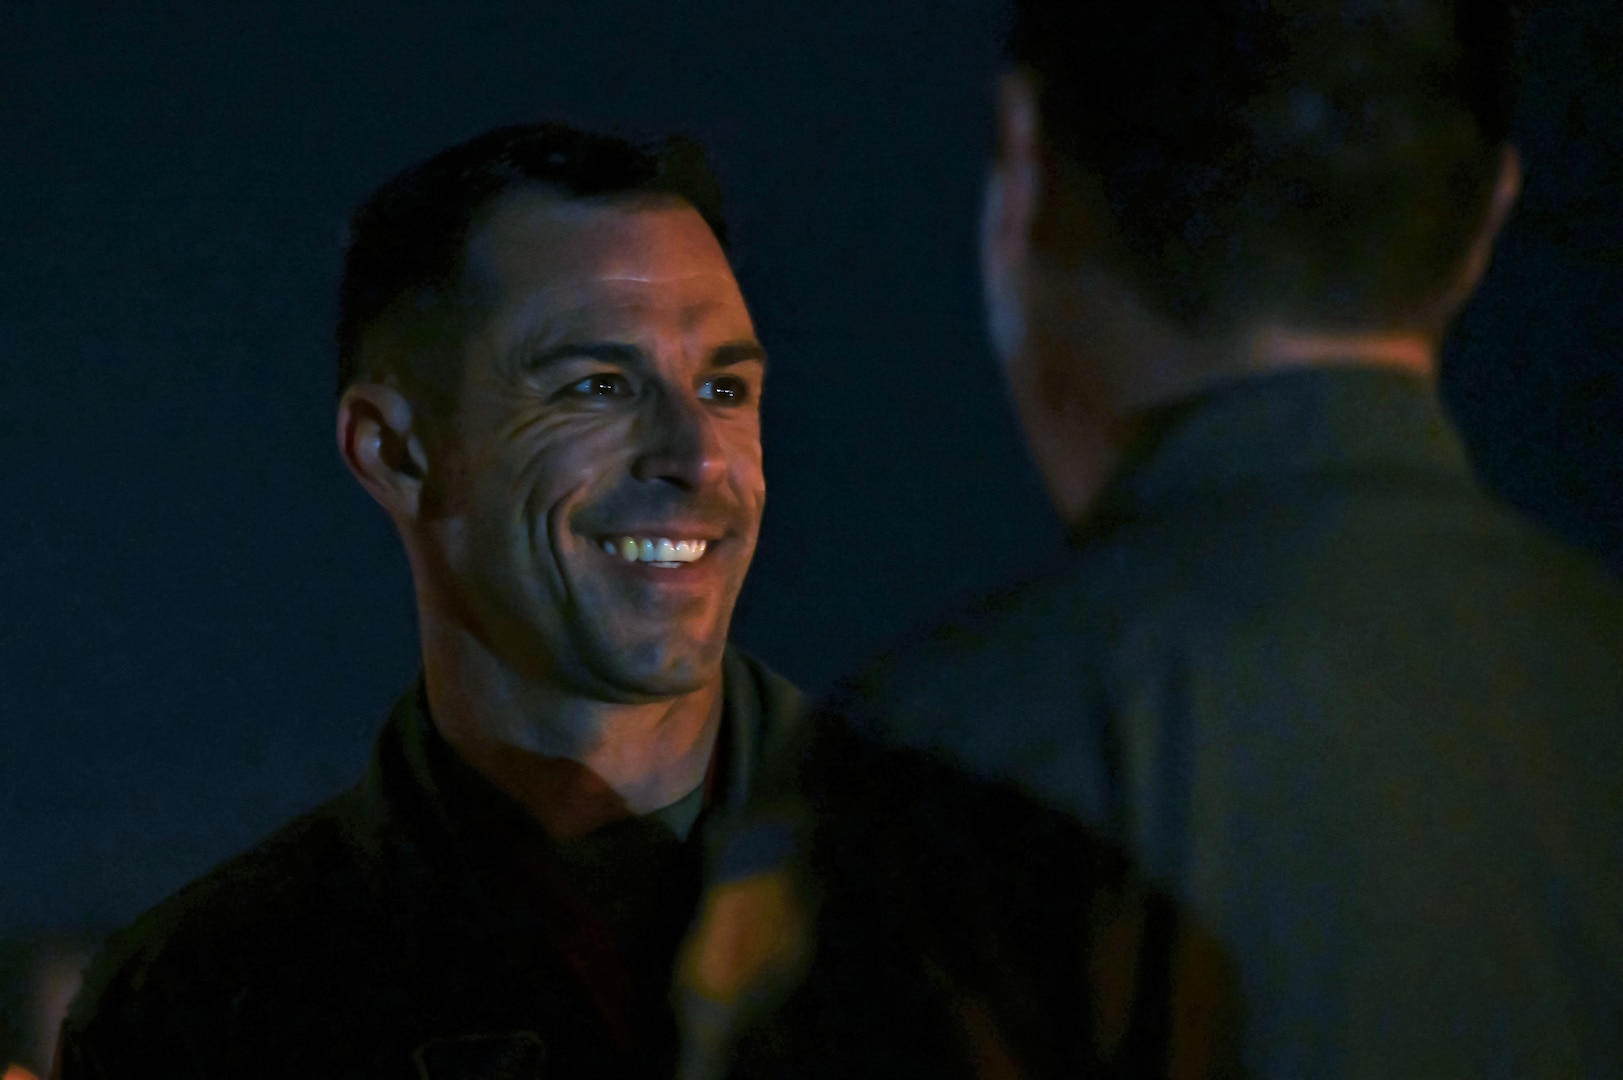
749,480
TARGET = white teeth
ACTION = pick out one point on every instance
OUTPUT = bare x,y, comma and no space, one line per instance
660,550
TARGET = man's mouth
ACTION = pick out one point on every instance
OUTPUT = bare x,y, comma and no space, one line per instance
660,551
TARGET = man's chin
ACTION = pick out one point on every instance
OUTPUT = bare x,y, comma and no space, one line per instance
654,670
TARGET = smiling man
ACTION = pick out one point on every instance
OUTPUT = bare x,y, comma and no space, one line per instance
550,381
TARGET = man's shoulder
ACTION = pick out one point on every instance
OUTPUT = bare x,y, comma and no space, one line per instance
1171,585
1031,674
302,864
976,687
186,962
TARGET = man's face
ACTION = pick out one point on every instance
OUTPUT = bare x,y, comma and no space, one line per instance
603,488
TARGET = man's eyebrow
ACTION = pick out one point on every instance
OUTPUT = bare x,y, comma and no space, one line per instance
608,352
738,352
626,355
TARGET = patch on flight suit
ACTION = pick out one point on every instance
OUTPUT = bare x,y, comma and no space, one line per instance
518,1055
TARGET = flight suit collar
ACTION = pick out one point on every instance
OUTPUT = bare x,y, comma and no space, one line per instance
1354,424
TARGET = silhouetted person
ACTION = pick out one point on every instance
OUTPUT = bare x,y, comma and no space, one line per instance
550,381
1363,722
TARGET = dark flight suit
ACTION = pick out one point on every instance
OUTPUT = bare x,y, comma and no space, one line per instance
421,925
1364,724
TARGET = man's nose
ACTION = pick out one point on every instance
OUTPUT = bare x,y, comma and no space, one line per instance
680,444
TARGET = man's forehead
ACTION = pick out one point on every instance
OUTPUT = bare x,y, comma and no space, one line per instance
549,269
537,239
620,309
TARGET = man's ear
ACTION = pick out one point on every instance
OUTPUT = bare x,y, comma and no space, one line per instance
380,439
1014,186
1009,210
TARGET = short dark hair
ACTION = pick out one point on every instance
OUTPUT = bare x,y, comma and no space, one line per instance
1327,160
409,238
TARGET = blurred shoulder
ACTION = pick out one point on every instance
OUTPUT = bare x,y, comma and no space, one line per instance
1031,681
993,688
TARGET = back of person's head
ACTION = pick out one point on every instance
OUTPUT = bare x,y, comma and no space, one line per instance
1324,162
407,241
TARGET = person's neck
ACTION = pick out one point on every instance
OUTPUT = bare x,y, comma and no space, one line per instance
574,762
1092,404
1273,347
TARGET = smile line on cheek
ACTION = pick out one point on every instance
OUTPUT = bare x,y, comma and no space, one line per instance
549,531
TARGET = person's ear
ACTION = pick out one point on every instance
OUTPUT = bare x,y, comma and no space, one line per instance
1507,188
1009,210
1014,186
380,439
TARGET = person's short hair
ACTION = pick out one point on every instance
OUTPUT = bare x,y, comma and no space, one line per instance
1328,161
408,240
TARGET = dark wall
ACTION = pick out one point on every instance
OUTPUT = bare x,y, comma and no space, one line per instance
202,619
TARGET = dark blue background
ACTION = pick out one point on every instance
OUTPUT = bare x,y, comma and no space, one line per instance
202,619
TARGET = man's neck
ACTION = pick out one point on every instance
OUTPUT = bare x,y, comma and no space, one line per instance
1080,432
575,762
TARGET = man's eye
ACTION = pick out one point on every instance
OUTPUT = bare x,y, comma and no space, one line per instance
603,385
727,389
